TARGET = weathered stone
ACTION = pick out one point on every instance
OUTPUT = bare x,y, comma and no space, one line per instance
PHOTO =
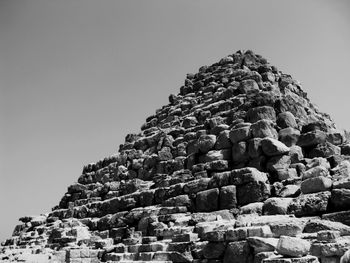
273,147
342,217
195,186
310,204
214,250
253,192
287,226
277,163
286,119
223,140
206,143
315,172
289,136
340,199
240,251
242,233
292,246
240,134
315,225
239,152
252,208
228,197
248,86
246,175
189,122
296,154
262,244
330,249
263,128
259,113
289,190
208,200
180,200
328,235
316,184
312,138
254,147
275,205
224,154
285,174
215,236
324,150
165,154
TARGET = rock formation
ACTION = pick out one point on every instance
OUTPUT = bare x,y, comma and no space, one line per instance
239,167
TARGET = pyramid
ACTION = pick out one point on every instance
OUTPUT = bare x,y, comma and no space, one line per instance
240,166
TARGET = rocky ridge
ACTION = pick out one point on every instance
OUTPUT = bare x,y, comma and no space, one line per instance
239,167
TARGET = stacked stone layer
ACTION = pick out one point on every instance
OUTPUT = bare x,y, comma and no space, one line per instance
239,167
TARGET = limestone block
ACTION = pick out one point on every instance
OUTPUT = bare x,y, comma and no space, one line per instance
273,147
289,136
208,200
227,198
263,128
240,133
239,251
276,205
310,204
206,143
262,112
286,119
293,246
316,184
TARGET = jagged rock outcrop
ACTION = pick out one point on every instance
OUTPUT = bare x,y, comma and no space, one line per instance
239,167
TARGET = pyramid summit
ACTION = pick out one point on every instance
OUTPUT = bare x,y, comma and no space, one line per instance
240,166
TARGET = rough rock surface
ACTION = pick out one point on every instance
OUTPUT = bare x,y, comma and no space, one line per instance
239,167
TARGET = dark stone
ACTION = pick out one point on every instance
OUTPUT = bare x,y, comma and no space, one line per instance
228,197
286,119
340,199
289,136
312,138
208,200
252,192
259,113
310,204
238,251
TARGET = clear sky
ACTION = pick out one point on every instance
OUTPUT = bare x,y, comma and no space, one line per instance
77,75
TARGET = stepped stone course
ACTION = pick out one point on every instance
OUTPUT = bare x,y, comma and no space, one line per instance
240,166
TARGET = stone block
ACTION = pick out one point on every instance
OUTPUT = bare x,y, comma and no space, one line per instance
214,250
309,204
206,143
240,134
273,147
293,246
223,140
286,119
316,184
227,197
340,199
312,138
252,192
260,244
263,128
240,251
208,200
276,205
289,136
239,152
260,113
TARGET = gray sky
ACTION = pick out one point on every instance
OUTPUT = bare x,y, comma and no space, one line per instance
76,76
